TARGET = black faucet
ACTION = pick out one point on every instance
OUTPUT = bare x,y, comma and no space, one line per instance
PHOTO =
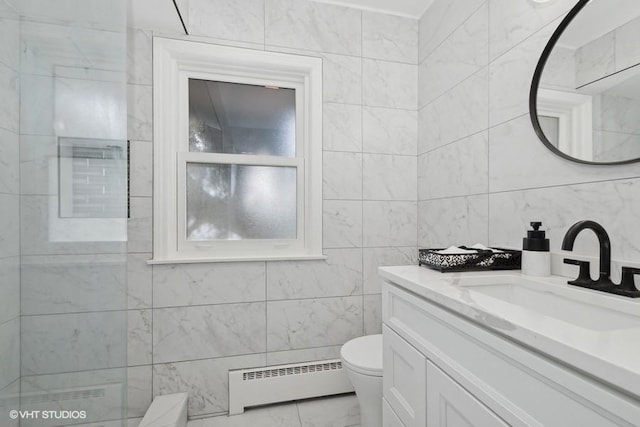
604,283
605,251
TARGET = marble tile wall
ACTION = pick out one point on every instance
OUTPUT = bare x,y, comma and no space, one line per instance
482,172
9,213
207,318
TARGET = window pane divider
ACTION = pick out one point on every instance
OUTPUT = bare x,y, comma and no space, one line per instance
239,159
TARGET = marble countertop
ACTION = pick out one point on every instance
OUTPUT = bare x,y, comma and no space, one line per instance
610,353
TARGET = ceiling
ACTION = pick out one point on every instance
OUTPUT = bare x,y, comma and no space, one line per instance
408,8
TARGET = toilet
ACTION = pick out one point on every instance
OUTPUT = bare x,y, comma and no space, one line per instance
362,359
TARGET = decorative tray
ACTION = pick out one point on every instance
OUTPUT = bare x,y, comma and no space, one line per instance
480,260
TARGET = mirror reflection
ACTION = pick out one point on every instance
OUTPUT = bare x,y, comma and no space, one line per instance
588,97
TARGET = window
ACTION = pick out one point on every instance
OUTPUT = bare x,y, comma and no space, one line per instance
238,165
92,178
89,176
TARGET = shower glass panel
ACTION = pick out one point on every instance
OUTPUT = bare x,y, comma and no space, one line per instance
9,215
71,230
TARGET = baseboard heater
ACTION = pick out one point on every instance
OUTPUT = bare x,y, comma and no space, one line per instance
283,383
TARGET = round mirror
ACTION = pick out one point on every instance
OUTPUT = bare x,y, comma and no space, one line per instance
585,95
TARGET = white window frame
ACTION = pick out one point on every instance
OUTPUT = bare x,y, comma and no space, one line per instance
574,114
174,63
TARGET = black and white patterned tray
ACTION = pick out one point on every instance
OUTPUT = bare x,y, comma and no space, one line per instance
481,260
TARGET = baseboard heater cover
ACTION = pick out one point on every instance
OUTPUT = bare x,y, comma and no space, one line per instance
283,383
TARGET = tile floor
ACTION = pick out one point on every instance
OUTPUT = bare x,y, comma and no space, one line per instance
338,411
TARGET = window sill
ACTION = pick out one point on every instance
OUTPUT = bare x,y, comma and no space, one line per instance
234,259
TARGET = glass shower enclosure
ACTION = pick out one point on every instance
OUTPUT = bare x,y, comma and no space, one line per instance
63,213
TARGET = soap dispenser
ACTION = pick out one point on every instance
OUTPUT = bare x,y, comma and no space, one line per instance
536,258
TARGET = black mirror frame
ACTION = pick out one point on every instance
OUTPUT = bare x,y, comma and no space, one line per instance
533,93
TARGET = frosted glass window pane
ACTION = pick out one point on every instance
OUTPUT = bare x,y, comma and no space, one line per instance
235,202
238,118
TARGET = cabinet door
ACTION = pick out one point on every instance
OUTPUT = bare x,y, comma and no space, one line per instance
389,418
404,379
450,405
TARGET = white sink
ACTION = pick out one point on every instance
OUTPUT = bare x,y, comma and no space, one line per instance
572,305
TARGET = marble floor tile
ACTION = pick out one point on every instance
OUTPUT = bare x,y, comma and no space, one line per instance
339,411
285,415
334,411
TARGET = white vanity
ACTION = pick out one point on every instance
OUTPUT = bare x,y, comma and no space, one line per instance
498,349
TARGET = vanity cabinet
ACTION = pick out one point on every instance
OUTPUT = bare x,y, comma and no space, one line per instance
444,369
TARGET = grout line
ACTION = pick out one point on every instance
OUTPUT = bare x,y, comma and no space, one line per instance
298,411
372,200
372,107
362,90
544,187
307,52
454,141
266,313
488,125
152,334
5,322
370,153
461,82
444,39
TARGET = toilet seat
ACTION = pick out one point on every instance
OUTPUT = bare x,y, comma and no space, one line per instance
363,355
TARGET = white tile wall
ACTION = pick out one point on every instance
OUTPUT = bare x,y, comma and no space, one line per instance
339,275
375,257
228,19
390,38
180,285
463,53
139,281
511,22
389,131
342,127
341,79
139,340
341,175
453,221
389,177
460,112
206,381
389,223
483,174
389,84
342,224
297,324
207,331
441,19
210,317
309,25
456,169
